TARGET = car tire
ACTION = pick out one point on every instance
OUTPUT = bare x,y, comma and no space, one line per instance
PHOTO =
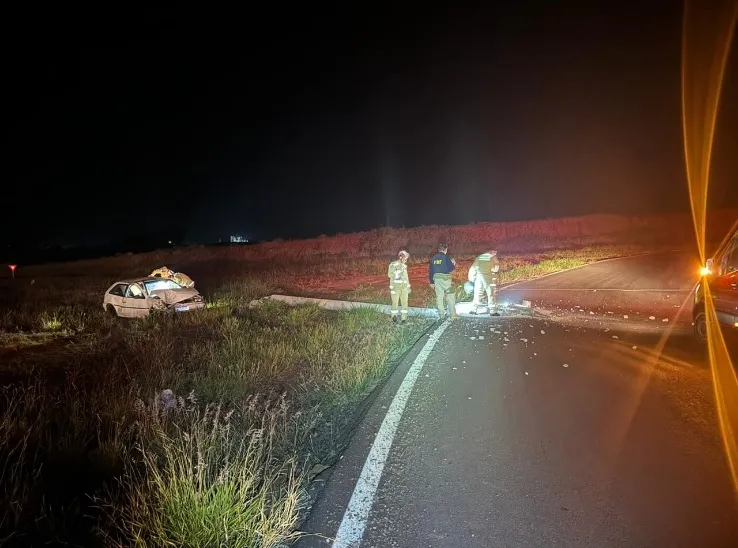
700,325
110,310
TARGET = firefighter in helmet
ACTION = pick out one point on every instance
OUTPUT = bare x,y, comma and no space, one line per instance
484,275
399,283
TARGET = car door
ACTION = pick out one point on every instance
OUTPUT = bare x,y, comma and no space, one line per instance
115,297
725,286
135,303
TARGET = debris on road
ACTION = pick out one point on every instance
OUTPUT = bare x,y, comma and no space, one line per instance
566,365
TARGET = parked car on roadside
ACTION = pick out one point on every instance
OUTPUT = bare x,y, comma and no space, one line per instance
720,274
137,298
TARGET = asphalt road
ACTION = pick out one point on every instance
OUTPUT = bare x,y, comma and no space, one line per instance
639,287
573,430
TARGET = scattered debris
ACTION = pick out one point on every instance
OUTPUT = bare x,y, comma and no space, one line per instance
543,332
665,320
635,348
615,337
566,365
316,470
625,316
652,317
166,400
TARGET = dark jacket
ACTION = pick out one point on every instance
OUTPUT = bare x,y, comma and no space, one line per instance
440,264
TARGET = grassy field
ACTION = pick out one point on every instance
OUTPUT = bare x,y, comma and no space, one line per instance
204,429
197,429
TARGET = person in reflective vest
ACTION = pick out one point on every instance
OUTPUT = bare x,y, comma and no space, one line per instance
440,273
484,274
399,283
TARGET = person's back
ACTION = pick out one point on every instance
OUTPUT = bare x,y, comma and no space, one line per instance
441,263
440,274
484,273
487,265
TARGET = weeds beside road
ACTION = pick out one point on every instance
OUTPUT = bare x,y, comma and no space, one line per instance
93,451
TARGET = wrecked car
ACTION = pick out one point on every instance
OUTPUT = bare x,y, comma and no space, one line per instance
137,298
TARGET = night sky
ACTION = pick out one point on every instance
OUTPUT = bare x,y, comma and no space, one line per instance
288,123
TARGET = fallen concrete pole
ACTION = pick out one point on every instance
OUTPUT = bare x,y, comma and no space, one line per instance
330,304
463,309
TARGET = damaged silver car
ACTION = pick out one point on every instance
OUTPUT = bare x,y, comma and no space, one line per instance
139,297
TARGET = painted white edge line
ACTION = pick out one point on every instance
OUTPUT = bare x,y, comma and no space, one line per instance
513,284
351,530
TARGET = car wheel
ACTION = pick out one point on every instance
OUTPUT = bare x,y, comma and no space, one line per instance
110,309
700,326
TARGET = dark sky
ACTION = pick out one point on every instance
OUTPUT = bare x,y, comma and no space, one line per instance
283,123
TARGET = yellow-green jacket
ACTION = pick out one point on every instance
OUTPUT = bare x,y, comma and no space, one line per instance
487,266
397,274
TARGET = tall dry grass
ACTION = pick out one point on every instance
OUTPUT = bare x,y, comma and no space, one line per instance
92,453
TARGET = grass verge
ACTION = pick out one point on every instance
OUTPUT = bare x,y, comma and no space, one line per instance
179,430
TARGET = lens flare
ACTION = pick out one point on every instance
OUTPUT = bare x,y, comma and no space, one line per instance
707,34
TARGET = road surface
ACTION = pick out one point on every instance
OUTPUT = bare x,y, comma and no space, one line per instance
592,431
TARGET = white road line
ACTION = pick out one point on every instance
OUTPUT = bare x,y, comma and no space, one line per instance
613,289
351,530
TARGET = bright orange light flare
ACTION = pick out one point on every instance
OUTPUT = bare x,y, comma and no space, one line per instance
707,33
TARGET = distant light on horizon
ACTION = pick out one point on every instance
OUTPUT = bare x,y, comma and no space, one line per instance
236,239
